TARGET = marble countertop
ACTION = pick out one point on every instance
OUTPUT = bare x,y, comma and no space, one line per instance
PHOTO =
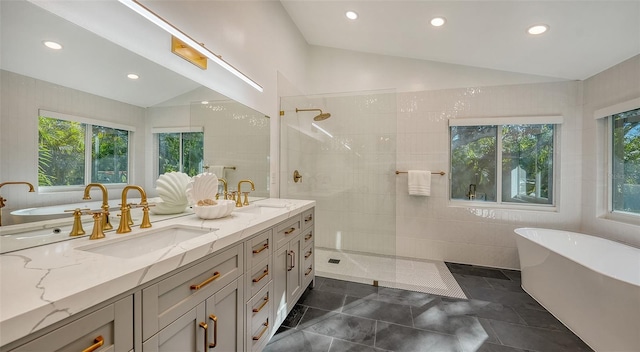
42,285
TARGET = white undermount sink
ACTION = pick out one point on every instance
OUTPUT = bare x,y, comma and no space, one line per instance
148,240
257,209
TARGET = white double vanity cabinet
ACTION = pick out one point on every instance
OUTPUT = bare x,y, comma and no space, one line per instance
227,289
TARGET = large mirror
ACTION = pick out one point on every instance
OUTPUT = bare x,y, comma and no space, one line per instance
88,78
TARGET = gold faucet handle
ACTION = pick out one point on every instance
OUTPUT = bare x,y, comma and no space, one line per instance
77,229
246,198
78,211
142,205
97,232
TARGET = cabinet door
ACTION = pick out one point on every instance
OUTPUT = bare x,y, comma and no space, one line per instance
107,329
184,334
225,319
294,271
280,265
287,278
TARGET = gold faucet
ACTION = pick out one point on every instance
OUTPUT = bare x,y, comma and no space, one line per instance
246,200
77,229
106,224
2,200
125,215
226,190
97,233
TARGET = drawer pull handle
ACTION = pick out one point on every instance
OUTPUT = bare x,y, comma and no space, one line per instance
308,218
290,230
206,334
264,273
265,246
292,254
206,282
308,237
306,256
266,300
215,331
266,327
308,271
97,343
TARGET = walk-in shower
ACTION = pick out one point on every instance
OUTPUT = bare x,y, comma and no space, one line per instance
321,116
348,166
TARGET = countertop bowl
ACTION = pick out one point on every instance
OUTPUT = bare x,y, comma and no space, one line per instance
220,210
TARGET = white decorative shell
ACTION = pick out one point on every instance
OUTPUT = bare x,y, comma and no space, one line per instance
220,210
201,187
161,208
171,188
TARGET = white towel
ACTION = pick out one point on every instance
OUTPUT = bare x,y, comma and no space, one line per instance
419,183
218,170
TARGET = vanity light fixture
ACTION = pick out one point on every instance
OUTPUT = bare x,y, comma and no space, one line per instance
204,102
352,15
133,76
538,29
188,53
438,21
52,45
174,31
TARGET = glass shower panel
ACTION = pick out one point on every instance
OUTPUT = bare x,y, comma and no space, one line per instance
347,163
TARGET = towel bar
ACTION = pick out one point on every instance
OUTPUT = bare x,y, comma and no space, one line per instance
441,173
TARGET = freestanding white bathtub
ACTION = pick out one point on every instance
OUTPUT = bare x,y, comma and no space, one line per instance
592,285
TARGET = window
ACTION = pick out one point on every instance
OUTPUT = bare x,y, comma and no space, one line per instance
180,151
503,163
72,152
625,185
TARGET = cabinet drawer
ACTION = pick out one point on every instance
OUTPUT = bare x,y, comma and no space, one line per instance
259,319
307,237
308,218
258,277
287,230
172,297
258,248
308,255
113,325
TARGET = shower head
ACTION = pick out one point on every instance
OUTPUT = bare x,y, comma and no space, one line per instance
321,116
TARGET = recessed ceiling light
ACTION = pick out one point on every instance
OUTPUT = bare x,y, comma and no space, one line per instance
204,102
438,21
352,15
133,76
538,29
52,45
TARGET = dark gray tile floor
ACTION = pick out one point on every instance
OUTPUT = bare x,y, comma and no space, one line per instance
498,316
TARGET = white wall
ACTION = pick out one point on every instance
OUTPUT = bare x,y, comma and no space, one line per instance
21,98
613,86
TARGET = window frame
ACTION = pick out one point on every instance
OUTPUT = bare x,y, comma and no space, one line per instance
156,131
612,214
555,120
87,150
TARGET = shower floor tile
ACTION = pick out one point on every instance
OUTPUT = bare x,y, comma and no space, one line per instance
427,276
